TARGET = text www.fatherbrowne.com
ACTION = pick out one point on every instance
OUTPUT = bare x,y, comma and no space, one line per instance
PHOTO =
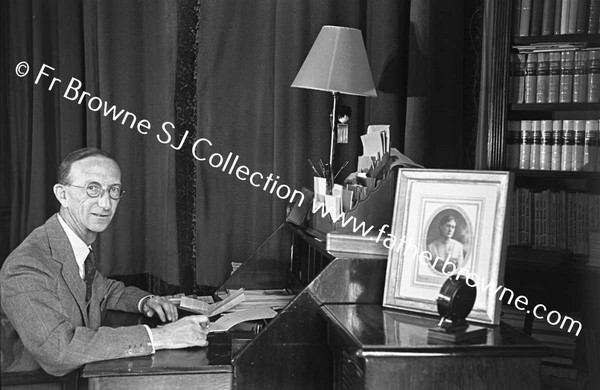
269,183
505,294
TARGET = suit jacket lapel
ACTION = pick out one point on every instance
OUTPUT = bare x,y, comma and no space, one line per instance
63,253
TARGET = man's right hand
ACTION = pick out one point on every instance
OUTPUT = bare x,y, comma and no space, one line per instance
189,331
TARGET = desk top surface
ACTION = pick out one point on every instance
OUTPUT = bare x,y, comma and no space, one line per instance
372,328
215,358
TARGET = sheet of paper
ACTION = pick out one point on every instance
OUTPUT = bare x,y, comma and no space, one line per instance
364,163
224,323
320,186
333,205
372,144
401,160
384,132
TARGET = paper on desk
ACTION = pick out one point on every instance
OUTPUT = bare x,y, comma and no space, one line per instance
225,323
372,145
384,132
401,160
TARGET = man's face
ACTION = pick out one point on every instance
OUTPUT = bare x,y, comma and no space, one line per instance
91,215
447,229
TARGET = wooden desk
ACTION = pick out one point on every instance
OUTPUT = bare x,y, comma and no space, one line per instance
376,348
191,368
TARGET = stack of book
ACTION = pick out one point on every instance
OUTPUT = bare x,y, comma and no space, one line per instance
594,248
561,341
275,299
561,73
555,145
554,17
558,376
554,219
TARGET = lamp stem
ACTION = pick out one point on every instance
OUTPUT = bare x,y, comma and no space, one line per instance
333,138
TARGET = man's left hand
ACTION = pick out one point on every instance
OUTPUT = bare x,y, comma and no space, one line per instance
160,306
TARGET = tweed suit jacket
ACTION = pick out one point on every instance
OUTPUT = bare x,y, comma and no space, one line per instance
43,299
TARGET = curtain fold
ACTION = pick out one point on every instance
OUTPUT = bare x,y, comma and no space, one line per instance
248,56
42,127
123,52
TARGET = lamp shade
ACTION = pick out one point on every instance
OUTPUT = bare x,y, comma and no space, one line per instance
337,62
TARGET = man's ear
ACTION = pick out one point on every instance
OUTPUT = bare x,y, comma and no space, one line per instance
60,193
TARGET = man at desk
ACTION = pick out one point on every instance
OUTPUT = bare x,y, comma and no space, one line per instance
53,296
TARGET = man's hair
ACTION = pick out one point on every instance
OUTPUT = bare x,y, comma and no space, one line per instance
64,169
447,219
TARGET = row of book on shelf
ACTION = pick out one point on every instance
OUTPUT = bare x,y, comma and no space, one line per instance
555,17
543,74
555,219
556,145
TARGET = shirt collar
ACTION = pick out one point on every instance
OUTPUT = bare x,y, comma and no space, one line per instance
80,249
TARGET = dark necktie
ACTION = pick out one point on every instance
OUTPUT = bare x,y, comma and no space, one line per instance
89,267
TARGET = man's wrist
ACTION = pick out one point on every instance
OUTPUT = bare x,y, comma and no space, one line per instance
142,301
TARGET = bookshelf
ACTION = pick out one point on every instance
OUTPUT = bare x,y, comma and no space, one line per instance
559,275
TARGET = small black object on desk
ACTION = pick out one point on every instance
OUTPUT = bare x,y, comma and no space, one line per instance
454,303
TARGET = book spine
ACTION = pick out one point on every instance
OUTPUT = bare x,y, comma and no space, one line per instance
546,217
546,146
517,84
536,144
557,16
557,143
536,219
593,15
563,220
516,14
543,74
552,223
526,141
531,78
570,222
598,153
548,17
581,25
572,25
566,76
554,77
537,9
524,18
568,145
593,91
528,217
580,76
578,149
513,143
590,148
564,17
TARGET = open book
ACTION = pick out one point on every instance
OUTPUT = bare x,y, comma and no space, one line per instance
212,309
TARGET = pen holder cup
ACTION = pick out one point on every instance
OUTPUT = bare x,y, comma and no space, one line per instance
375,210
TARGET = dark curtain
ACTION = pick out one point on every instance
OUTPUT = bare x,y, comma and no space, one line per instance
123,52
39,126
249,53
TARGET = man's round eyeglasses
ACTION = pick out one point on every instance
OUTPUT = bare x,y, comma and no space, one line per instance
94,190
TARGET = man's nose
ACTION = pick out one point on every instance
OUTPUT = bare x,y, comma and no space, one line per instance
104,200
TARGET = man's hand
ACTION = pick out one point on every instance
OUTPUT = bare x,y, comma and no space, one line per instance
160,306
189,331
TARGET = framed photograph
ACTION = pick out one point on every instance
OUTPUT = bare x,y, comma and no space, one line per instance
447,222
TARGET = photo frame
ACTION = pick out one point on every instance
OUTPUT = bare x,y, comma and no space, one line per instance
447,222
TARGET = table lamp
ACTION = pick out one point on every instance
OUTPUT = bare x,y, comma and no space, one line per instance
336,63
